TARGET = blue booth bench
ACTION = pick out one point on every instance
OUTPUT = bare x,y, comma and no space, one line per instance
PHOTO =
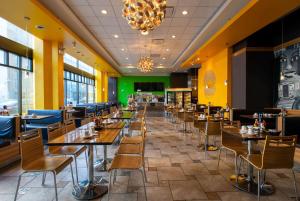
56,116
9,146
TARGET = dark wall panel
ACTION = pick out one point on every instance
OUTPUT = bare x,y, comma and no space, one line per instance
238,75
112,89
179,80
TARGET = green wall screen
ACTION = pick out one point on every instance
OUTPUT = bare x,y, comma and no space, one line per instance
126,85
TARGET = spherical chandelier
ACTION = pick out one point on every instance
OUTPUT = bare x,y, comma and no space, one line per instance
144,15
145,64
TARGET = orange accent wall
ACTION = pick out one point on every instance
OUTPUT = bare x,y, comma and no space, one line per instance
213,74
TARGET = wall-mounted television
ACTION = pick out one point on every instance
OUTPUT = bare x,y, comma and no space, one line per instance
149,86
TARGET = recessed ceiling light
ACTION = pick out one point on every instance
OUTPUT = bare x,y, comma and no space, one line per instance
104,12
173,36
184,12
126,58
160,66
164,58
40,27
130,66
123,49
167,49
116,36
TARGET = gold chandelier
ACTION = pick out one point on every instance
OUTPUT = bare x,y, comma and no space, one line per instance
144,15
145,64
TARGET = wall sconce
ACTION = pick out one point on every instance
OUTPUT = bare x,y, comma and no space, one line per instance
206,86
113,92
225,82
281,76
61,49
103,89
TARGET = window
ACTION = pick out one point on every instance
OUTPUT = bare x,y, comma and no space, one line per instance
78,89
14,33
16,82
68,59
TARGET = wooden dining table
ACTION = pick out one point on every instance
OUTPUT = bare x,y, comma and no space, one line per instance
125,115
250,185
90,188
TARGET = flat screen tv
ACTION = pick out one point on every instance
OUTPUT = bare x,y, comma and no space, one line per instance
149,86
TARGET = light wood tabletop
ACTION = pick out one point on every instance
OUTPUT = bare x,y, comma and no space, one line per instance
122,116
107,136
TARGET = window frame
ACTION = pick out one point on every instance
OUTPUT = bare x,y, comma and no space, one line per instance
21,70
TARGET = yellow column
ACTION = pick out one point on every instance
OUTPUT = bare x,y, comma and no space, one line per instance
98,78
57,76
105,86
48,73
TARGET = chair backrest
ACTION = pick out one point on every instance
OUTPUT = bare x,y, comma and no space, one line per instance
69,125
104,113
55,130
278,152
113,109
86,121
31,146
213,128
180,115
189,116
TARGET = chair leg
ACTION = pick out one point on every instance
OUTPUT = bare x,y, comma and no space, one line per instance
44,178
18,186
145,173
258,185
72,174
295,185
86,159
109,185
55,185
219,157
236,168
239,170
144,182
115,176
205,146
76,168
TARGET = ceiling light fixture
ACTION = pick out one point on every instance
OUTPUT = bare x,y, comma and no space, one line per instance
184,12
167,49
126,58
144,33
173,36
164,58
145,64
144,15
116,36
123,49
104,12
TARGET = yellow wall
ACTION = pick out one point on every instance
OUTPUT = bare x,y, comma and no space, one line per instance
98,86
213,73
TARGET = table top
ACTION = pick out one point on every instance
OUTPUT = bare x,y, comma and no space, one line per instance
106,136
124,115
236,131
249,116
117,125
131,109
37,117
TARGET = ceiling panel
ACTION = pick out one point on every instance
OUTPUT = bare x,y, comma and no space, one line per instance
130,44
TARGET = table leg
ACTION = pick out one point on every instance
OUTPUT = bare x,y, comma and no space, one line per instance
89,189
24,124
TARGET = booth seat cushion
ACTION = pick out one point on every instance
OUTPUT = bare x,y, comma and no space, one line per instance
57,116
7,127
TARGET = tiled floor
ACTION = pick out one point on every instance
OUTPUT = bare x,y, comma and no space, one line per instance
176,170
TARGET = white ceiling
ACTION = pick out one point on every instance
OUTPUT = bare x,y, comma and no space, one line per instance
130,45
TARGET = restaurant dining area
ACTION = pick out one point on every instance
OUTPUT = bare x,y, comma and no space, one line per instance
149,100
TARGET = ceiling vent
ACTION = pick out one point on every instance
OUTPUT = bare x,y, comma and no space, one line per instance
169,11
158,41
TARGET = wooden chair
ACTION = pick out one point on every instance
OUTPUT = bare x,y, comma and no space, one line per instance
212,128
69,125
234,144
113,109
54,131
188,119
278,153
33,158
134,139
129,162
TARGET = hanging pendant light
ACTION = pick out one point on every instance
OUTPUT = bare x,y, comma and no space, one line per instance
145,64
144,15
